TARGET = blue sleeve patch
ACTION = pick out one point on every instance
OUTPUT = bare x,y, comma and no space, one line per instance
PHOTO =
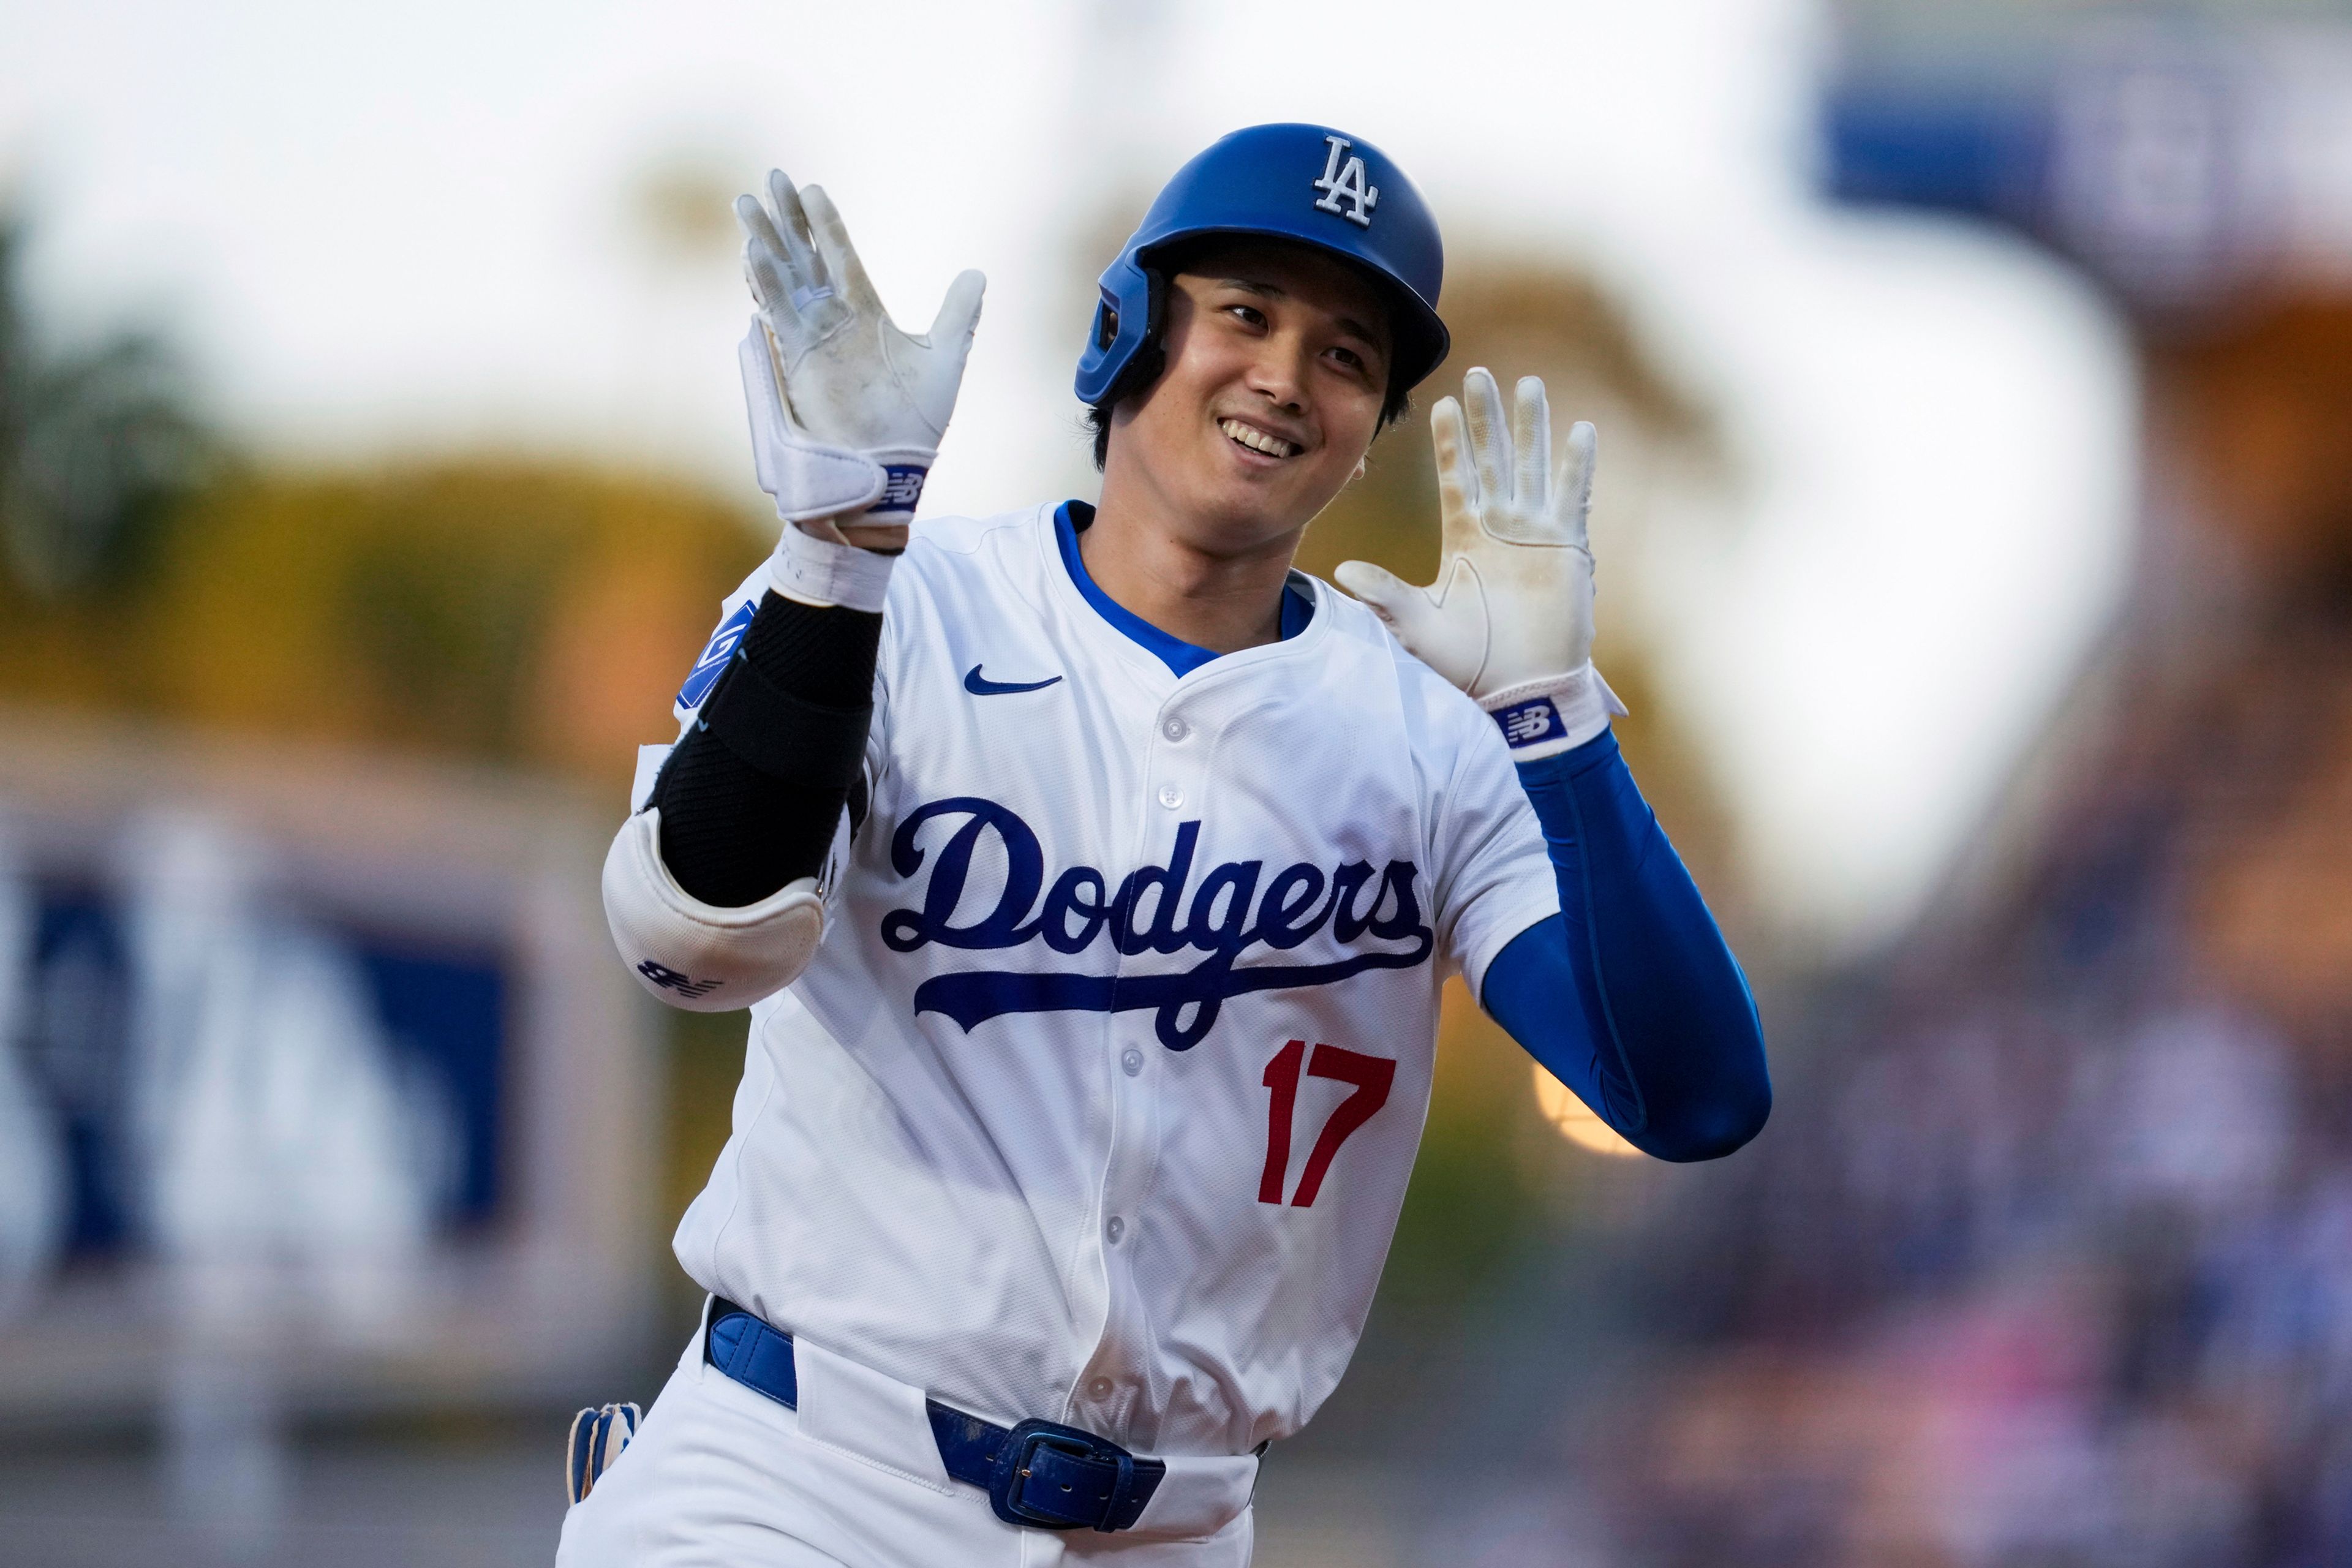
1531,723
715,654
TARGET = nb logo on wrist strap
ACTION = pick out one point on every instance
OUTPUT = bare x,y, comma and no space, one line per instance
902,489
1532,723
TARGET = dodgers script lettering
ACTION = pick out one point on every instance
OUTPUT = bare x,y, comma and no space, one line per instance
1232,907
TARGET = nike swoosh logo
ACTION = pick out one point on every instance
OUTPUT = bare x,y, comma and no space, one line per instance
979,685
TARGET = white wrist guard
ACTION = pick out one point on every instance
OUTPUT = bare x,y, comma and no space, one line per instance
1552,713
826,573
811,478
695,955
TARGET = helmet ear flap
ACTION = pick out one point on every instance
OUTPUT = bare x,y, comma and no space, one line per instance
1148,357
1120,360
1155,311
1127,313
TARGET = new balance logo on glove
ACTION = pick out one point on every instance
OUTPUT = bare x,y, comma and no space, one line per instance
902,487
1530,723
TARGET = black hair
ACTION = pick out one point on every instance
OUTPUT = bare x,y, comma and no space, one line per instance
1152,358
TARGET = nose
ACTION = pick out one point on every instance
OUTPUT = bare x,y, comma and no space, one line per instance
1278,374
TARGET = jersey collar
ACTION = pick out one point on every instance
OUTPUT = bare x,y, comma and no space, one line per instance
1073,517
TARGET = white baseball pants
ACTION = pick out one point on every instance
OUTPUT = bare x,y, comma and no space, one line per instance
722,1477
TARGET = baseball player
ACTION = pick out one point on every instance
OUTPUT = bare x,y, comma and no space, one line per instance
1091,876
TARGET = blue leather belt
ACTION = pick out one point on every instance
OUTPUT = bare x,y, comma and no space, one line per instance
1040,1473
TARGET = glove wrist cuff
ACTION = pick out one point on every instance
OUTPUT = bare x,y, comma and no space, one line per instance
1552,713
822,573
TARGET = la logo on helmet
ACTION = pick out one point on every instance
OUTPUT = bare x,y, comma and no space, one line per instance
1346,183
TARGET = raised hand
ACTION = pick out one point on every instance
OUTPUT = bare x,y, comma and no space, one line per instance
846,410
1510,619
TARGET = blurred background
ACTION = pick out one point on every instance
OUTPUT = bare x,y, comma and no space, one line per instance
1975,519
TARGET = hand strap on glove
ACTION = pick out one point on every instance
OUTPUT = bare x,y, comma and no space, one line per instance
1553,713
810,478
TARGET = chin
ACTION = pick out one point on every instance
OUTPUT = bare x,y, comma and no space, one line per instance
1239,514
1247,507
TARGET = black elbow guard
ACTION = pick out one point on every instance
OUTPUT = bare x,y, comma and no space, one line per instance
786,737
751,796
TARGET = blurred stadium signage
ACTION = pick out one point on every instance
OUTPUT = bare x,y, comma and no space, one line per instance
2182,163
313,1065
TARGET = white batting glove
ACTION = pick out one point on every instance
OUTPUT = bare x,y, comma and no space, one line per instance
1510,619
846,410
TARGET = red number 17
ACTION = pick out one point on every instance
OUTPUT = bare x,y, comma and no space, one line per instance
1371,1076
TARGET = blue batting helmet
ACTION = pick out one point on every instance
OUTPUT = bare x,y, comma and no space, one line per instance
1308,183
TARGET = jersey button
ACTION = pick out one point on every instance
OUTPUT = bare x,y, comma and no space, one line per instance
1175,729
1170,796
1099,1388
1132,1060
1114,1230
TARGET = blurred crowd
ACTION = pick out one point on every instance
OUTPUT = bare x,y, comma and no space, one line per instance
2048,1258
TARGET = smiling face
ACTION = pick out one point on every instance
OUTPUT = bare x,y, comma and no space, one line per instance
1277,366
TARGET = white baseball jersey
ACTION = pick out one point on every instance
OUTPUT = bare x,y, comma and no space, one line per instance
1098,1101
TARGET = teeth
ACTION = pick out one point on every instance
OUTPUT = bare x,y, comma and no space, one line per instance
1258,440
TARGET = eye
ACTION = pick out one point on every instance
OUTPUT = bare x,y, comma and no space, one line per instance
1352,361
1249,315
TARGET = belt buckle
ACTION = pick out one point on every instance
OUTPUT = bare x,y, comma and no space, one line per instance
1016,1460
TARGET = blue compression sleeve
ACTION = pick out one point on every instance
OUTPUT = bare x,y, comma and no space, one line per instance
1630,995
